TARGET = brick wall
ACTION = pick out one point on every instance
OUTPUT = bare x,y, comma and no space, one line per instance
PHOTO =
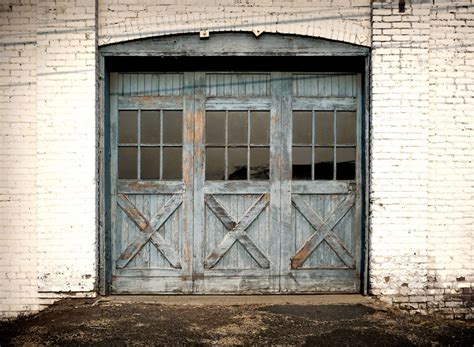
66,146
451,160
343,20
422,169
18,241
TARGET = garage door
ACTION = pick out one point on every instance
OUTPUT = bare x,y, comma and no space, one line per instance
235,182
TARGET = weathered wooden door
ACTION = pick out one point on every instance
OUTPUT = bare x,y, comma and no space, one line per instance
236,198
235,182
320,183
152,182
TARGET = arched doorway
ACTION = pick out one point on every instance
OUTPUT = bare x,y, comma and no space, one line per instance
236,165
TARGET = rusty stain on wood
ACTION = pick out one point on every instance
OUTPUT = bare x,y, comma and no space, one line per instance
323,231
149,230
237,231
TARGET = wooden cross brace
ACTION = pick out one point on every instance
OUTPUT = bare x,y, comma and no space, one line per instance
323,231
237,231
149,230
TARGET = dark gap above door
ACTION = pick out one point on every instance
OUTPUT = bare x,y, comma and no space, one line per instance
229,64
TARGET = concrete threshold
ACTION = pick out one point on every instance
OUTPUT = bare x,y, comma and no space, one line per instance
321,299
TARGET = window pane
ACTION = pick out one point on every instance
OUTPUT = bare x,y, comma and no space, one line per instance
346,127
260,127
345,163
150,163
301,163
237,163
323,163
237,127
215,163
302,127
127,162
324,128
150,124
172,163
172,127
259,163
128,126
215,127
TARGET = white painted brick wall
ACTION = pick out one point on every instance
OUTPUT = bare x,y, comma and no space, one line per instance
345,20
422,171
451,158
18,241
66,146
422,156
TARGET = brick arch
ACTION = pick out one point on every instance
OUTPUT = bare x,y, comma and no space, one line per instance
344,29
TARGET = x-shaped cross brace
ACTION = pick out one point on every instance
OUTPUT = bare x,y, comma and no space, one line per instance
323,231
237,231
149,230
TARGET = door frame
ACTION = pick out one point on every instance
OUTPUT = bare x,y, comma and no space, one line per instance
219,45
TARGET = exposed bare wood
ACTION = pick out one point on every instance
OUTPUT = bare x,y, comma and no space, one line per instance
148,230
237,231
323,229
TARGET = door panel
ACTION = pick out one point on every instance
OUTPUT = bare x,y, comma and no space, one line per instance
235,182
320,246
237,249
151,190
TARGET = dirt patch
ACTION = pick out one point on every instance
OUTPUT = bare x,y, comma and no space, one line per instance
322,312
80,322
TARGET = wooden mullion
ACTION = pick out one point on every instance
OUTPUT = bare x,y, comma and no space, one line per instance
226,154
313,135
287,235
248,145
161,144
139,140
334,146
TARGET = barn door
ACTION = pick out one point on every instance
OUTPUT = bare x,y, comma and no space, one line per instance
320,177
235,182
236,198
151,161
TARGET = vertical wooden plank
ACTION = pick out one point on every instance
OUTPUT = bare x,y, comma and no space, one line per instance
139,149
348,86
227,85
162,84
115,236
365,182
134,84
169,83
120,85
334,118
155,84
199,170
103,222
161,144
248,144
188,180
235,85
140,257
148,87
313,140
226,149
357,224
220,87
285,136
341,85
126,84
334,85
141,84
213,85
